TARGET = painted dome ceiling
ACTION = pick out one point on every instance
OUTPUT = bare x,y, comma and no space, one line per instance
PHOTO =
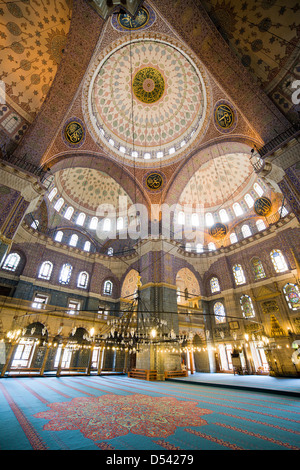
85,189
147,101
221,180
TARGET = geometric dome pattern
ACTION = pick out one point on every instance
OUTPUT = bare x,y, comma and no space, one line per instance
147,101
87,188
220,180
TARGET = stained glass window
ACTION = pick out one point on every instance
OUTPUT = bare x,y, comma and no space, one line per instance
237,209
46,270
247,306
219,312
233,238
278,261
83,280
246,231
59,204
65,274
214,285
108,285
69,213
11,262
258,269
80,219
238,274
292,295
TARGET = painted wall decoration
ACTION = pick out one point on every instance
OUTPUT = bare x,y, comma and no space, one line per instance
74,132
262,206
148,85
224,116
154,181
144,18
218,230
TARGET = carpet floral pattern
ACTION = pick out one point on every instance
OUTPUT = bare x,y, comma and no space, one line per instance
104,418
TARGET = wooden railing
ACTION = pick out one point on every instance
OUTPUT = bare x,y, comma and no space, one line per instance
175,373
143,374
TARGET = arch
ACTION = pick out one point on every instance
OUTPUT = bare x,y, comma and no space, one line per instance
239,275
69,212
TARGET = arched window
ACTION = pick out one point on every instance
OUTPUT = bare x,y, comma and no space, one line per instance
73,240
249,200
257,268
211,246
195,220
58,236
35,224
188,247
94,223
87,246
233,238
110,251
209,220
237,209
246,231
278,261
45,270
238,274
106,225
214,285
80,219
59,203
65,273
181,218
260,225
283,211
11,262
219,312
258,189
83,279
292,295
52,194
69,213
199,248
120,223
223,216
247,306
107,288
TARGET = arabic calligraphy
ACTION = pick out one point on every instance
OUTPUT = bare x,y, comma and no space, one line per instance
74,132
128,22
148,85
154,181
262,206
224,116
218,230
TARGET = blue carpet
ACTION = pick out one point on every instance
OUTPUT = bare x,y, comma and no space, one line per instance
123,414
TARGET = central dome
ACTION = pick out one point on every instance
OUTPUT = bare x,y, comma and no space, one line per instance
147,101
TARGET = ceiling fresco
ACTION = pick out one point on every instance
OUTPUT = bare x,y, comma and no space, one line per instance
147,100
220,180
86,188
32,39
265,35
